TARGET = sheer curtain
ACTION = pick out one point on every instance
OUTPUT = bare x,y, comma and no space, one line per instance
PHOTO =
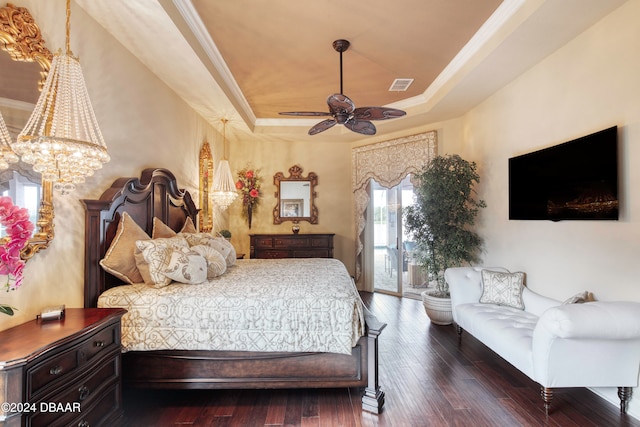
388,163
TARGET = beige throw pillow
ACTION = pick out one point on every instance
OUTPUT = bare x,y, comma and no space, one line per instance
502,288
119,259
161,230
188,226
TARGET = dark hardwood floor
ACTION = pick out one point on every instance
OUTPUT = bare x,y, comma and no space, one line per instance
429,376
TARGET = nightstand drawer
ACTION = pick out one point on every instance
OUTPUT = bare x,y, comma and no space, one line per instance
100,343
75,399
65,363
50,370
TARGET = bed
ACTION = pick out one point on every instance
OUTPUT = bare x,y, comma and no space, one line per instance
156,194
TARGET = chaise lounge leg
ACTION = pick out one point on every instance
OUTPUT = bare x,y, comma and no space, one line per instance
547,396
459,329
624,393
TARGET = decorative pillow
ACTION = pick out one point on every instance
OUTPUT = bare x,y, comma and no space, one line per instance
186,266
502,288
579,298
188,226
216,264
218,243
161,230
119,259
153,256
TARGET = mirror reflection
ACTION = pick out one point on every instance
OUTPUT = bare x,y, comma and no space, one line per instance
24,63
296,196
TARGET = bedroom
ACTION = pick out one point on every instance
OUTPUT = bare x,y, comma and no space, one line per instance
588,84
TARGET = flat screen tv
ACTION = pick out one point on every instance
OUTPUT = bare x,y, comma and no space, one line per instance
576,180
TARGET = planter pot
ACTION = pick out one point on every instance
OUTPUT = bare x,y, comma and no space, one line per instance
438,309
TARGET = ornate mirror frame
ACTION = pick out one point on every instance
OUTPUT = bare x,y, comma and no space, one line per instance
206,181
295,175
21,38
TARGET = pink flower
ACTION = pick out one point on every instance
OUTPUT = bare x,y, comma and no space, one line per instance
249,174
254,193
239,185
18,228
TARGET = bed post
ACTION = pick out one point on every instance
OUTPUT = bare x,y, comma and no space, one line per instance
373,397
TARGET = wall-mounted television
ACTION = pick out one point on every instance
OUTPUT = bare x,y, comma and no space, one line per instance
576,180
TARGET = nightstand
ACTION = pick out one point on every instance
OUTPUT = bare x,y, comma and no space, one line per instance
62,372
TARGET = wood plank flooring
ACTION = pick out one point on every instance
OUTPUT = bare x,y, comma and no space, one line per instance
429,376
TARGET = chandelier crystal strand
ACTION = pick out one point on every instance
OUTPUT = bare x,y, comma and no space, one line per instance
62,139
6,153
224,189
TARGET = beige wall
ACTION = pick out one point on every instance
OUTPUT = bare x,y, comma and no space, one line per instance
590,84
120,88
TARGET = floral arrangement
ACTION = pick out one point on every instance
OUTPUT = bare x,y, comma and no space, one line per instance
18,229
248,185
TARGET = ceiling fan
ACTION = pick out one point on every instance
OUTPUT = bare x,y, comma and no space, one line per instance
343,111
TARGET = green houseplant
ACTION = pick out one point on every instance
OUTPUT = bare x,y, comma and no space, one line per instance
441,219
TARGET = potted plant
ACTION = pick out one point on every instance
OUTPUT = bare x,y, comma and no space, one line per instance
440,222
226,234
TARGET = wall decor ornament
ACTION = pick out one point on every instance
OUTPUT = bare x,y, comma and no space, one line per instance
16,222
206,182
248,185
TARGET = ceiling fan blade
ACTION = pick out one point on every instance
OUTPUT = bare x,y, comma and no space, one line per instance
322,126
339,103
304,113
377,113
361,126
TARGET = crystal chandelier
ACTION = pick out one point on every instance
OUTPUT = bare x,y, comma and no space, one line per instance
62,139
224,188
6,153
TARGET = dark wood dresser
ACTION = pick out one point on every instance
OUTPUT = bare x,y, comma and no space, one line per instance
62,372
291,245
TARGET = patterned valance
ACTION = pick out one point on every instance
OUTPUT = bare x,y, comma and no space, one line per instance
388,162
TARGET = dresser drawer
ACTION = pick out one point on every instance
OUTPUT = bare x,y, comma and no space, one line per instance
64,365
290,242
272,254
74,400
263,242
311,253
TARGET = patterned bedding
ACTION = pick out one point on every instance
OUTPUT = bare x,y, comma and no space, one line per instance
287,305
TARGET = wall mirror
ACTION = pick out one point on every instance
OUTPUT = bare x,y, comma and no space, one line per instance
295,196
24,65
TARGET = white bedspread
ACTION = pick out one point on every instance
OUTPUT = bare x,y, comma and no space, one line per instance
292,305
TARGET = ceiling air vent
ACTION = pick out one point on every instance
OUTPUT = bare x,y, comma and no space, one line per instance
400,85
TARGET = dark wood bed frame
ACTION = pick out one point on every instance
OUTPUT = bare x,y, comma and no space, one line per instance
156,194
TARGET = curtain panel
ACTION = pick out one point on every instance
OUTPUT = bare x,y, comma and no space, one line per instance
388,162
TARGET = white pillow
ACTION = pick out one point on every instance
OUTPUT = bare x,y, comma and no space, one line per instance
186,266
502,288
153,256
220,244
216,264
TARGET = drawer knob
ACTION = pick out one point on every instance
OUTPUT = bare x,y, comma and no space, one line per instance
99,343
56,370
84,392
83,424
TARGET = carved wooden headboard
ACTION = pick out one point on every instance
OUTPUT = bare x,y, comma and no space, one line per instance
154,194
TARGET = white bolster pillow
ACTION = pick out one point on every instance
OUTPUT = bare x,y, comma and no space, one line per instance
596,320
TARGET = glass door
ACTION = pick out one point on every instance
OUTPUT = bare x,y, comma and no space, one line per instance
390,258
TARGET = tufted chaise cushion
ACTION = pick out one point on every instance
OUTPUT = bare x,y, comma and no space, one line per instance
507,331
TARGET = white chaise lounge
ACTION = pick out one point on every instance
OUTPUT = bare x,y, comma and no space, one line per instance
595,344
